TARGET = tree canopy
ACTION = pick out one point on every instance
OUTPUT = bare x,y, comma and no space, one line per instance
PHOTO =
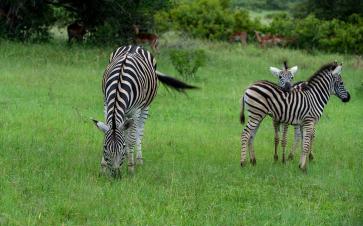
106,20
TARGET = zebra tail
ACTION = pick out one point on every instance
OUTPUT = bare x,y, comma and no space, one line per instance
242,114
173,82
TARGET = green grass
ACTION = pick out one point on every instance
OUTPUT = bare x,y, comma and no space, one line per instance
50,151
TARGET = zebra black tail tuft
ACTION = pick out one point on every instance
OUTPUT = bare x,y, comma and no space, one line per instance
242,114
173,82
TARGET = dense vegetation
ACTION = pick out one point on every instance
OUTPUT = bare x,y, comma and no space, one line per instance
216,20
333,26
106,21
50,151
330,35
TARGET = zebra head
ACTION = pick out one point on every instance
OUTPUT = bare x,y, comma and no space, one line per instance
338,86
285,76
114,145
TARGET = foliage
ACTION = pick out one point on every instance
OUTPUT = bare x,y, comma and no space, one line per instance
106,21
327,10
187,61
208,19
311,33
25,20
264,4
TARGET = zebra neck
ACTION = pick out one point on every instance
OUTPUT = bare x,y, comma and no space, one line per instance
319,93
115,119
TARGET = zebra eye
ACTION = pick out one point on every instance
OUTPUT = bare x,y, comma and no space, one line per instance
280,76
124,145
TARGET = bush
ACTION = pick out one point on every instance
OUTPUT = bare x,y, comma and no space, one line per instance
311,33
187,61
206,19
25,20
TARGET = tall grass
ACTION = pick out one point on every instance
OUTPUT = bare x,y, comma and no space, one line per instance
50,152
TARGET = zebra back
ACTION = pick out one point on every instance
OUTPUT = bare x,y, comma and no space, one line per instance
129,82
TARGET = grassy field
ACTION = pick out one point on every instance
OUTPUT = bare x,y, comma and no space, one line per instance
50,151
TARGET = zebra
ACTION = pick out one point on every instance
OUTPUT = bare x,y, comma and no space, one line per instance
285,76
297,87
129,85
302,108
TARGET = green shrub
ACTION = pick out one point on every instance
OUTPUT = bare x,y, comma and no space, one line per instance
206,19
25,20
187,61
311,33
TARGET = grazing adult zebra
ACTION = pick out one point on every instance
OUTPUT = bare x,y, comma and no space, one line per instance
129,86
302,108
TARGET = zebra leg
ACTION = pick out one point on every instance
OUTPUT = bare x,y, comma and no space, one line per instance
297,138
245,137
250,146
284,141
276,126
130,143
306,133
311,155
140,134
247,132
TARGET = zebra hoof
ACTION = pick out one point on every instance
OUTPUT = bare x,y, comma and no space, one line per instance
140,161
276,157
311,156
291,156
302,168
243,163
131,169
253,162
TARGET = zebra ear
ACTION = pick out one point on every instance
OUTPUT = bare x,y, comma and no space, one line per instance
293,70
337,70
127,124
275,71
100,125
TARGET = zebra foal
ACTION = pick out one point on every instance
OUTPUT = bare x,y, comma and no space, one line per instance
129,85
302,108
285,77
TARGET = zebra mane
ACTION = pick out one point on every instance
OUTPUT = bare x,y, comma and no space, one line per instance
285,65
330,66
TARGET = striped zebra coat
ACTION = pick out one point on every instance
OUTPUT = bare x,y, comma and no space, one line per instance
129,85
297,87
285,77
302,108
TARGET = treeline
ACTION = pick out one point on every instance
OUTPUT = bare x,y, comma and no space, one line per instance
329,35
334,25
106,21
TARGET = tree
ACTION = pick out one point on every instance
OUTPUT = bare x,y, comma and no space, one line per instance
329,9
106,20
25,20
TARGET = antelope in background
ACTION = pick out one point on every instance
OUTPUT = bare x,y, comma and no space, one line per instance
76,30
239,36
150,38
271,40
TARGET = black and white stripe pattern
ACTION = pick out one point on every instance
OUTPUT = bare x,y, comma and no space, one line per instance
129,86
284,76
302,108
